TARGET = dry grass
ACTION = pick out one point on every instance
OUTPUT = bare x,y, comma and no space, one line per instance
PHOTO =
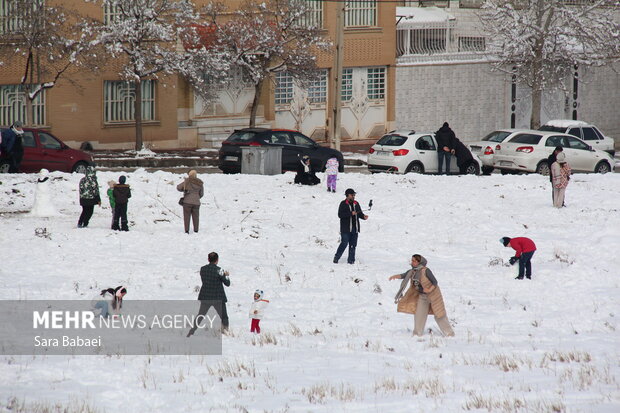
233,369
431,387
508,404
321,393
14,405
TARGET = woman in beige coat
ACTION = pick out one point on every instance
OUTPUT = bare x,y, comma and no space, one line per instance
193,190
423,297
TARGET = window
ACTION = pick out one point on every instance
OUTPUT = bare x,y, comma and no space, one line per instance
526,138
48,141
392,140
13,15
241,136
598,133
119,98
376,83
554,141
575,132
28,140
425,143
284,88
314,16
111,13
360,13
13,106
575,143
279,138
589,134
317,91
496,136
346,93
471,44
301,140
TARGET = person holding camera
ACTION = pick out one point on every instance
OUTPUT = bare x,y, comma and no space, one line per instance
349,213
525,249
422,298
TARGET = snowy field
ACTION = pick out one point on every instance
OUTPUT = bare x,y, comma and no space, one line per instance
331,338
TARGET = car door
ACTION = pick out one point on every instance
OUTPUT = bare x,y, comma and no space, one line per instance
54,157
579,155
426,149
290,160
32,153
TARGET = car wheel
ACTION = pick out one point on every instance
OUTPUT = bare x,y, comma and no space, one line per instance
472,169
415,167
487,170
505,171
602,168
542,168
80,167
4,167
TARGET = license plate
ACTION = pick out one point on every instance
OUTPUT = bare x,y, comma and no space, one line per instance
505,163
231,158
383,153
476,148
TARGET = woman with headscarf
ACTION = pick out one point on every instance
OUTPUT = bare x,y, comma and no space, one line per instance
423,297
89,196
193,190
109,301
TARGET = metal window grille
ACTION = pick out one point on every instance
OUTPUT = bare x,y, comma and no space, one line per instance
317,91
12,19
284,88
376,83
471,44
361,13
111,13
314,15
347,85
13,106
119,98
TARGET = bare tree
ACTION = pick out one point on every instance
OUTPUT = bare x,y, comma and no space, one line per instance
541,41
47,41
263,38
147,37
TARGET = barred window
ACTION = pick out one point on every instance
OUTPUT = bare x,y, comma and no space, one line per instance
12,14
376,83
314,15
361,13
471,44
13,106
119,97
111,13
284,88
317,91
346,93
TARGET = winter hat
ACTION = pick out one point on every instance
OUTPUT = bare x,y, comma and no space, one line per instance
305,158
192,173
18,124
349,191
260,293
505,241
122,179
445,125
561,157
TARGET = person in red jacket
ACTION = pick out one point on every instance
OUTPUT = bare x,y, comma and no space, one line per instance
525,249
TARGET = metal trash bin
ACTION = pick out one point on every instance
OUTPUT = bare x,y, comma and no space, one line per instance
261,160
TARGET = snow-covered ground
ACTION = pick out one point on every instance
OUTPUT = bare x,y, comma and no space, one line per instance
332,340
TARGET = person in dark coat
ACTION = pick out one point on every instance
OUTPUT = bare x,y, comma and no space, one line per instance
305,175
121,193
349,213
550,160
12,147
89,196
525,249
463,155
213,281
445,146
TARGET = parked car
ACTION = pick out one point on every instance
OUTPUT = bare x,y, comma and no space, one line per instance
528,152
294,145
485,148
404,151
44,150
590,134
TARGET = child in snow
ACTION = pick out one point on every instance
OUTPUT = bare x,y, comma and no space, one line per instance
256,310
109,301
331,169
121,193
525,249
111,198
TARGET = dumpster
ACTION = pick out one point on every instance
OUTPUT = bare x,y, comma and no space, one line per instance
261,160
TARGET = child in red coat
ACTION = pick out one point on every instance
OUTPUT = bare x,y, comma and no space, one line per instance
525,249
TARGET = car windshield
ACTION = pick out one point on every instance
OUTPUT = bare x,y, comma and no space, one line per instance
392,140
549,128
241,136
496,136
529,138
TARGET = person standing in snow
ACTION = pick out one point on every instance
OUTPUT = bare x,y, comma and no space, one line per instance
422,298
445,146
257,310
349,213
213,281
43,205
12,147
109,301
525,249
112,201
331,170
560,174
121,193
89,196
550,161
305,175
193,190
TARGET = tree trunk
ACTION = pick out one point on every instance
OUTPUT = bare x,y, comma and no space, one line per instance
138,113
258,87
536,107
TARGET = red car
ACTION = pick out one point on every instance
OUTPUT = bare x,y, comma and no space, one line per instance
44,150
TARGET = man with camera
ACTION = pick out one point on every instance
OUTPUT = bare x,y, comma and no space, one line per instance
349,213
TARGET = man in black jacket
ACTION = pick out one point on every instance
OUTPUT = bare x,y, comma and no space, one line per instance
213,281
445,146
349,213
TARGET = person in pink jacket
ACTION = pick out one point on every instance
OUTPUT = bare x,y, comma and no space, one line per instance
331,170
525,249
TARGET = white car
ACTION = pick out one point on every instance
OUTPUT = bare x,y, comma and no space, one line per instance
528,152
485,149
590,134
404,151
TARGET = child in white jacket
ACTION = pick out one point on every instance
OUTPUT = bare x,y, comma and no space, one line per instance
257,310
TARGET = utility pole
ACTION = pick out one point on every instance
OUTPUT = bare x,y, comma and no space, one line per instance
337,88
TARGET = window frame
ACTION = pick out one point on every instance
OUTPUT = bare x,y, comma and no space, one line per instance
317,91
376,80
126,110
15,108
360,13
285,88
